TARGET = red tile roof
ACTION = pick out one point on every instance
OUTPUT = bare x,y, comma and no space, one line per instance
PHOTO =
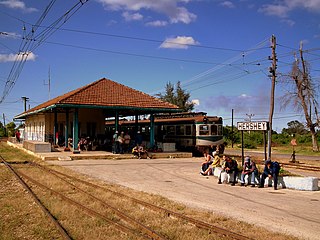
105,93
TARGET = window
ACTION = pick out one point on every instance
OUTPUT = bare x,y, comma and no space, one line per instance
203,130
188,130
214,130
180,130
170,130
219,129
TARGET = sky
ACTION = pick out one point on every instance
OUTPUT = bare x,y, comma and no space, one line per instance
218,50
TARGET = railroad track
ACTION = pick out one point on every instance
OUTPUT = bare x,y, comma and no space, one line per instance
198,223
302,166
132,226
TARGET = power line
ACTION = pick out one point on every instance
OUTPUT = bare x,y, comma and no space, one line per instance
28,45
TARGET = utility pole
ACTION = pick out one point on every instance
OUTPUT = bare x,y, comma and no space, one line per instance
25,99
232,128
49,83
273,75
250,116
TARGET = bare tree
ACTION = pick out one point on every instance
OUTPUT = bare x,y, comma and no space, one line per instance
302,94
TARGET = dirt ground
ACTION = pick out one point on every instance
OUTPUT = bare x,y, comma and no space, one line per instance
287,211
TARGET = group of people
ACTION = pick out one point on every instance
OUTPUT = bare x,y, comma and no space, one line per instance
229,166
122,142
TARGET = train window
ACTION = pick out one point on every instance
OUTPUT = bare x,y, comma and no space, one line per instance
204,130
180,130
188,130
170,130
214,130
219,129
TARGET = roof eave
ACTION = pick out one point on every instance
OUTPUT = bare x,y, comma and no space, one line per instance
144,109
25,114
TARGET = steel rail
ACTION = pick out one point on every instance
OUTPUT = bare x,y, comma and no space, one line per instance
302,167
196,222
91,212
151,233
62,231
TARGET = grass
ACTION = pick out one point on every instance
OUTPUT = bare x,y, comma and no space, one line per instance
22,219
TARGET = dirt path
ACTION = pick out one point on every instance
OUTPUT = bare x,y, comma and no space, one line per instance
287,211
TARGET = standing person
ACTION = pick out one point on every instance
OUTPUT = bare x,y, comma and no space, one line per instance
127,140
249,168
230,166
115,146
121,142
18,136
206,164
271,170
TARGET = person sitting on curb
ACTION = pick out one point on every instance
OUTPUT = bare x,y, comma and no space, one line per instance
271,170
230,166
249,168
139,151
215,163
206,164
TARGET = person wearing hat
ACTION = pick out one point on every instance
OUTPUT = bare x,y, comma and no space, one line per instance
271,170
230,166
249,168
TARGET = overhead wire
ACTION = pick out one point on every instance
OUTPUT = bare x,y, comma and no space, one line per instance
28,45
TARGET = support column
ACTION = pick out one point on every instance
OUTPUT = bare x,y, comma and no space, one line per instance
75,130
136,120
151,131
66,129
55,127
116,121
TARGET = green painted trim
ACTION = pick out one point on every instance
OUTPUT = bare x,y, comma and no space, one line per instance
146,110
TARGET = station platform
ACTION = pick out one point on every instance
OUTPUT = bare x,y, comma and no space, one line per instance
60,154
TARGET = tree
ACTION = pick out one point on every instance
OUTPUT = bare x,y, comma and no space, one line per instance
303,96
295,127
178,96
11,129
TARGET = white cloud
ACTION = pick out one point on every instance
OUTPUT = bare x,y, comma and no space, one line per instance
10,35
284,7
288,22
180,42
196,102
275,10
227,4
132,16
16,4
169,8
12,57
157,23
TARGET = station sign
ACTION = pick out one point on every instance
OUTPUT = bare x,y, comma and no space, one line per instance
253,126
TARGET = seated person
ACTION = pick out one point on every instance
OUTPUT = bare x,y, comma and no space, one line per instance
82,143
140,152
249,168
271,170
206,164
215,163
143,152
230,166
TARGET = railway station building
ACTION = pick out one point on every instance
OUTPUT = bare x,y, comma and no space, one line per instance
83,112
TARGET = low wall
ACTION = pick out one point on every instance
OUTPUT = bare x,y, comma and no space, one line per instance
298,183
36,146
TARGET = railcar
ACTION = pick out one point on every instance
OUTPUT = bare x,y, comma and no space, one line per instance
188,131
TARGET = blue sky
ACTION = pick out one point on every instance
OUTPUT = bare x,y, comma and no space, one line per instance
218,50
